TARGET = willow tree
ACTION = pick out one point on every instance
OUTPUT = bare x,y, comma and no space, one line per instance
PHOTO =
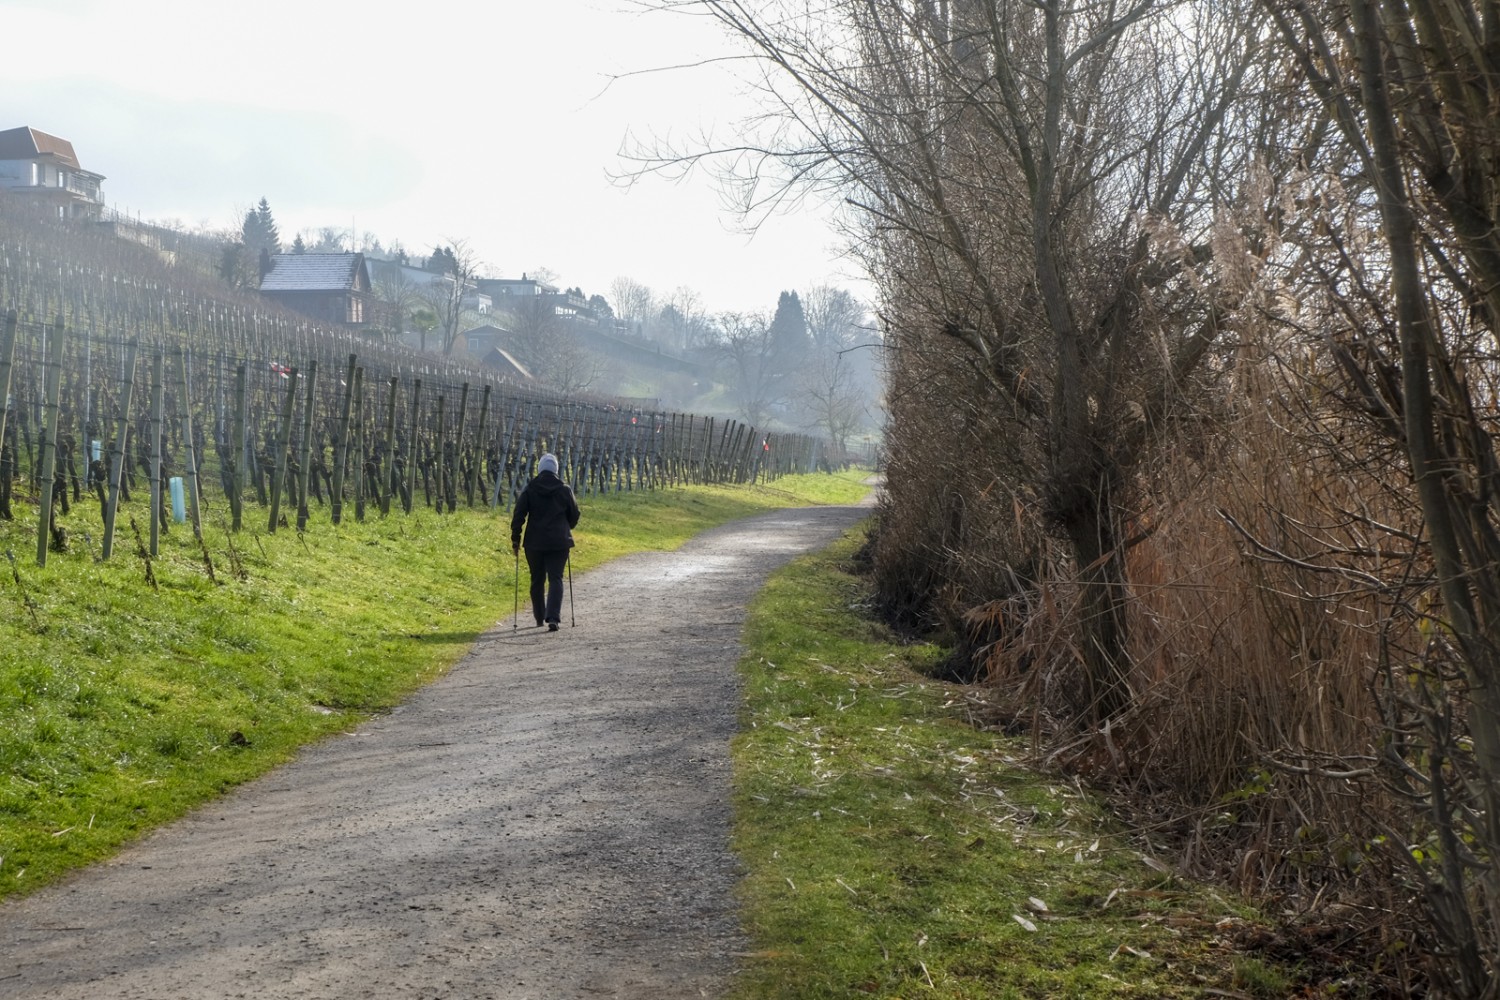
1409,92
1037,182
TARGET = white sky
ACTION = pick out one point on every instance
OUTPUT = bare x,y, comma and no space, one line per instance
491,121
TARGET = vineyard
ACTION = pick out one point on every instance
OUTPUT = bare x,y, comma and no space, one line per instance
131,379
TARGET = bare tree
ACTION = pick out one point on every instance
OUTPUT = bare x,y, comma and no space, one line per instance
448,296
835,318
1035,180
533,327
397,295
547,345
832,398
330,239
634,303
747,355
571,368
1410,142
682,322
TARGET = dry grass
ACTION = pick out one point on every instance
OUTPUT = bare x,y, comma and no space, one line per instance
1269,597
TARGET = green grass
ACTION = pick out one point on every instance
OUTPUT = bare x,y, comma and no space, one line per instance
122,707
892,843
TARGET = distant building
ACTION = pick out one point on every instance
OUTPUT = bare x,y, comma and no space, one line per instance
480,340
395,272
503,290
396,280
477,302
328,287
43,166
516,294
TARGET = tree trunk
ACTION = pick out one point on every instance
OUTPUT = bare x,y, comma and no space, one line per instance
1094,535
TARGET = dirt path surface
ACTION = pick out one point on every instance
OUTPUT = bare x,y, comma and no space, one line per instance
549,821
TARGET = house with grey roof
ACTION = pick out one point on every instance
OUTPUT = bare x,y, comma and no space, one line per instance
478,340
42,166
328,287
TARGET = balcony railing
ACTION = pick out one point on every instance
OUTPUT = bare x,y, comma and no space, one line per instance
83,186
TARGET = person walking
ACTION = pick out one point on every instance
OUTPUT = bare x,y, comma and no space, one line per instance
549,512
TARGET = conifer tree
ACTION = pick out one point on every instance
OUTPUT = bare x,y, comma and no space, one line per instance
789,331
259,231
442,261
250,230
270,237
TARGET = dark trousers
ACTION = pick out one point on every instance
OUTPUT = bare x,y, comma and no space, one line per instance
546,578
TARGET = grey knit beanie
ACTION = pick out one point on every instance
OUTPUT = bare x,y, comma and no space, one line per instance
548,463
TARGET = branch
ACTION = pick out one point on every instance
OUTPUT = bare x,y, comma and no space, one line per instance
1279,556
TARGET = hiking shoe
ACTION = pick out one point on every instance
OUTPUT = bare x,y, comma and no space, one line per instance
552,626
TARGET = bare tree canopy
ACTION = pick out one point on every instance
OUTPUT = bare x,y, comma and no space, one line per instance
835,318
633,302
450,297
1106,236
1035,181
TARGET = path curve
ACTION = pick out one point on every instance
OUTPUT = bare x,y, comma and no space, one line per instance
548,821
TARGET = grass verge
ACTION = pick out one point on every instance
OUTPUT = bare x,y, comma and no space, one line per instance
896,849
122,706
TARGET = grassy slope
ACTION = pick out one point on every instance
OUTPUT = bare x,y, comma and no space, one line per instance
122,707
891,844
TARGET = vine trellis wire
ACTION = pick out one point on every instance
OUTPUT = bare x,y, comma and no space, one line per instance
117,381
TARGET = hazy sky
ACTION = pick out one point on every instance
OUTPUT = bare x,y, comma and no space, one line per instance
491,121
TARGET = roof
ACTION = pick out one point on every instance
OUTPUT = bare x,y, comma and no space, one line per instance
26,143
313,272
512,286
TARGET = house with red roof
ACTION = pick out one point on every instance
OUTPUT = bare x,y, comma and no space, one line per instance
38,165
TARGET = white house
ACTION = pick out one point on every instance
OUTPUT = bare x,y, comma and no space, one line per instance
40,165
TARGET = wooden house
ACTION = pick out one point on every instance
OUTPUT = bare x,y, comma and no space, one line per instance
328,287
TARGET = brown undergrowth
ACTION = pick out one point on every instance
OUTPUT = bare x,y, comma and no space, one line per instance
1275,613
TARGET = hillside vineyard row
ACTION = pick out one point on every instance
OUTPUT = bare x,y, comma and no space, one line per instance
133,382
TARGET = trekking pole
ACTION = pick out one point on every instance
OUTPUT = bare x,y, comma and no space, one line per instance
516,614
572,619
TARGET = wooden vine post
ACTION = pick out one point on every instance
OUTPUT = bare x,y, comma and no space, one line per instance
708,451
387,482
240,449
458,451
411,447
442,454
190,474
341,443
84,412
502,458
7,365
118,451
283,445
304,472
50,419
358,446
481,447
158,389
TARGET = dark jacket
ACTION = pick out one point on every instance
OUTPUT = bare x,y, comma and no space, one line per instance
547,507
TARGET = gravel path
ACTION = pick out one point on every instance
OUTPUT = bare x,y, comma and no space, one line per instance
548,821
